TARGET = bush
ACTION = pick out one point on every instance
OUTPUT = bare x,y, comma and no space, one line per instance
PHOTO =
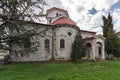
78,48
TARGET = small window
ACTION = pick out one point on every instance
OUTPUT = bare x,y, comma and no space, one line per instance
69,33
60,14
47,43
62,43
27,43
57,14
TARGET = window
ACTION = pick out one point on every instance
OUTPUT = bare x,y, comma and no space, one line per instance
69,33
47,43
57,14
60,14
27,43
62,43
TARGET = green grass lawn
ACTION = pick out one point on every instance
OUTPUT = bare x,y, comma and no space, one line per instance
107,70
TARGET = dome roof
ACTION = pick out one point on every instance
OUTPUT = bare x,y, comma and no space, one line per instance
64,20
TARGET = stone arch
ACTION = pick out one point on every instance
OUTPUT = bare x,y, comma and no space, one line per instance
99,49
89,50
88,45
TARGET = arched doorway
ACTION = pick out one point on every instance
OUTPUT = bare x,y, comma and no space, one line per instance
98,50
89,49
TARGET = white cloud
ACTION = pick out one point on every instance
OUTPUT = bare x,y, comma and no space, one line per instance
116,18
78,11
53,3
103,4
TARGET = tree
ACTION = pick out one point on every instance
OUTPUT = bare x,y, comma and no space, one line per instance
12,15
78,48
107,23
112,41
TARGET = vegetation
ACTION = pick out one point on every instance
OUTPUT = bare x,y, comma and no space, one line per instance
107,23
78,48
112,42
107,70
12,15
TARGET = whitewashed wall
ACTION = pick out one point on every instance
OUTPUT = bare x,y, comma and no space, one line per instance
53,16
62,33
54,36
41,54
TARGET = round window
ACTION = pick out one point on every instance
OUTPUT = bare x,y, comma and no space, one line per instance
69,33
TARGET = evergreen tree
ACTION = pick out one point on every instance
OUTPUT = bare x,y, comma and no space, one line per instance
107,23
78,48
13,14
112,42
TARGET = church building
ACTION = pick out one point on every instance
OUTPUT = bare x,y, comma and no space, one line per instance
57,43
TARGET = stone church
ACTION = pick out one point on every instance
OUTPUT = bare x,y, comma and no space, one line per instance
57,43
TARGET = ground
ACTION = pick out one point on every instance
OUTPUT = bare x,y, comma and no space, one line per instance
105,70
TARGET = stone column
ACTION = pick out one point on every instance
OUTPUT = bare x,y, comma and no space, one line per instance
93,49
103,51
91,53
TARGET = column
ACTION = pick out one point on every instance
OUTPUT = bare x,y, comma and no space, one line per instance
93,49
103,51
93,53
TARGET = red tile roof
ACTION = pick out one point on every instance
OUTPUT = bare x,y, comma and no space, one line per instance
64,20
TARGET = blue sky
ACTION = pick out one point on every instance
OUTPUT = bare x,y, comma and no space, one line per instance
93,11
115,6
87,13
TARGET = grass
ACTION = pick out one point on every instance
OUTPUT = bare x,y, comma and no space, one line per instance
105,70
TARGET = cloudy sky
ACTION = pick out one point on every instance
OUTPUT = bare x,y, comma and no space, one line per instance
87,13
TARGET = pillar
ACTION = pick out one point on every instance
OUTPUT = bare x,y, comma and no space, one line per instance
93,50
103,51
93,53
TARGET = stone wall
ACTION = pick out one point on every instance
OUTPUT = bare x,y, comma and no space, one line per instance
54,35
41,54
68,34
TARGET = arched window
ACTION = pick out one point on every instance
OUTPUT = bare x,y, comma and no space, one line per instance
47,43
62,43
88,45
56,14
60,14
99,45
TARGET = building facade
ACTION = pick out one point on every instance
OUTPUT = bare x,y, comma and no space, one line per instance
57,44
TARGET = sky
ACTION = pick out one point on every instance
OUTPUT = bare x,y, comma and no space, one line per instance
87,13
